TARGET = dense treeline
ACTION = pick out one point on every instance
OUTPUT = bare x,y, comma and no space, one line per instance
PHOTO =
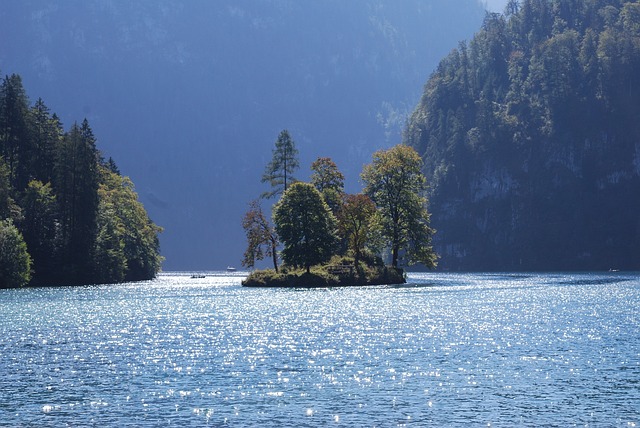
67,215
530,135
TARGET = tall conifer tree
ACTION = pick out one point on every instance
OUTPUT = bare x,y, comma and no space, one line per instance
77,191
279,172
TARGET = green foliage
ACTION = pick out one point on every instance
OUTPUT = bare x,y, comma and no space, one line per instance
355,219
339,272
76,184
262,239
394,181
40,226
8,207
329,181
46,133
310,231
279,172
15,262
305,225
529,139
127,246
81,221
15,144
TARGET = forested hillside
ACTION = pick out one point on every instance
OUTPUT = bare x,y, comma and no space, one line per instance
67,216
531,139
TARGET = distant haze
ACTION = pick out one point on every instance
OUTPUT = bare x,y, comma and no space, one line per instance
189,96
496,5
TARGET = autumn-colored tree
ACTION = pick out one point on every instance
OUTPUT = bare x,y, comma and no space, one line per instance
355,220
262,240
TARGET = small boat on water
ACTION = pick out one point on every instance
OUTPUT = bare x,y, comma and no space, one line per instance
231,269
198,276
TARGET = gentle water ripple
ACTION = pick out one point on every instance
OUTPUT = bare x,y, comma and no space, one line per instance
444,349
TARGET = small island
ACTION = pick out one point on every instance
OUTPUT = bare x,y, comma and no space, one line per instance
327,238
339,272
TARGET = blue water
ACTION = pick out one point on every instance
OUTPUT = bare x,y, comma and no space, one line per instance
445,349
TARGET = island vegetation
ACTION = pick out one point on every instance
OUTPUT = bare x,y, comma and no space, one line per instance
67,215
325,237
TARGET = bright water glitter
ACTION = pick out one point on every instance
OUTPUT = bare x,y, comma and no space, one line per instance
452,349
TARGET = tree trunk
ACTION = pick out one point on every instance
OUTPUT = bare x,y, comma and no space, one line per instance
274,254
394,258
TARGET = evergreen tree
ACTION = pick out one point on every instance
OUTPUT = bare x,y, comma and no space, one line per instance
279,172
40,230
45,133
305,225
76,188
15,144
8,207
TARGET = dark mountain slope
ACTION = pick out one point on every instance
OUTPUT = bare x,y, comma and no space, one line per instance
531,140
190,96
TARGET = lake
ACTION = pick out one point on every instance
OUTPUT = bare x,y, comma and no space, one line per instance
444,349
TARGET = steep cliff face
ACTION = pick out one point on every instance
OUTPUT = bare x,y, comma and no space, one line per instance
531,140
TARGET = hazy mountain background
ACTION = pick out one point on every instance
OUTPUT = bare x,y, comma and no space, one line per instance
189,96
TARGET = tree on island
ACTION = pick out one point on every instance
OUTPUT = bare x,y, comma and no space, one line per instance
395,183
355,218
262,239
327,178
305,225
279,172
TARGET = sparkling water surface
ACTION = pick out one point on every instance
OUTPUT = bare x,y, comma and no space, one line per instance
444,349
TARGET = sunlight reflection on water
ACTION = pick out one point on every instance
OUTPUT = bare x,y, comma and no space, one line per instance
499,349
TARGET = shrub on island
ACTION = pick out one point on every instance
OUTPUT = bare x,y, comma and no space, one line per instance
339,272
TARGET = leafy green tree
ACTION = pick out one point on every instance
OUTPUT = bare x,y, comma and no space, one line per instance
110,259
262,239
394,181
305,225
279,172
355,220
327,178
127,245
15,262
39,228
